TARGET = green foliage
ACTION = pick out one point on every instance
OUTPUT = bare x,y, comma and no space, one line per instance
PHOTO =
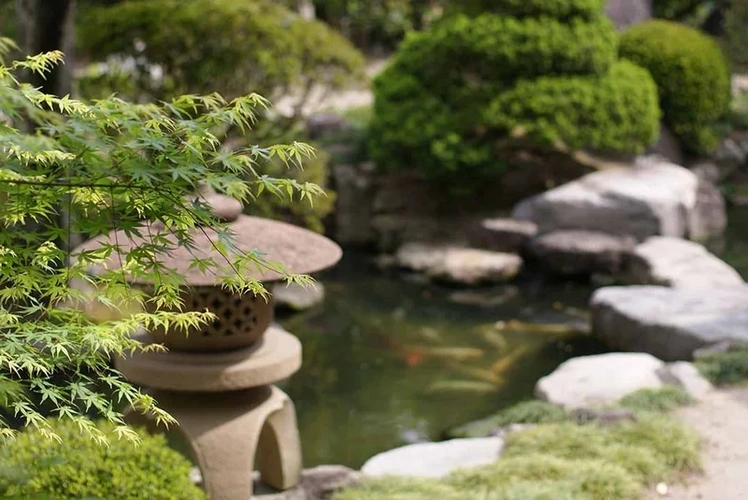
578,111
98,163
457,97
736,28
558,9
526,412
77,467
725,368
372,23
657,400
692,76
216,45
675,10
563,461
738,116
306,213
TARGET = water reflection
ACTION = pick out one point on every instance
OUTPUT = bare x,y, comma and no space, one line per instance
389,361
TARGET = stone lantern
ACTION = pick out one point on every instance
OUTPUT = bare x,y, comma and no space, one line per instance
217,382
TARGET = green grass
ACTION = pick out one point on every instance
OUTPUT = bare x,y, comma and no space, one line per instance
561,461
725,368
656,400
526,412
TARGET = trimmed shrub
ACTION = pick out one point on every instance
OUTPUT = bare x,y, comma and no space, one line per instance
453,95
579,110
78,467
216,45
559,9
692,76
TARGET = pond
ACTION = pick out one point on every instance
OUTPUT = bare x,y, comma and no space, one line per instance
390,361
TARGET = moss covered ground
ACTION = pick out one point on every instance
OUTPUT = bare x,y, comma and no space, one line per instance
561,460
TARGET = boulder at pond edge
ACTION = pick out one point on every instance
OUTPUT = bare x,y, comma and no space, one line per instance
599,380
434,459
669,323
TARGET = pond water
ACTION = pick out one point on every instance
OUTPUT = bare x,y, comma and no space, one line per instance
389,361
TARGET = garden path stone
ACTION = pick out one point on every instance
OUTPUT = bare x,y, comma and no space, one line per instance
652,197
667,261
669,323
434,459
599,380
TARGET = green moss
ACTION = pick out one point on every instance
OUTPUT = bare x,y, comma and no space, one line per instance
77,467
692,76
657,400
727,368
526,412
397,488
563,461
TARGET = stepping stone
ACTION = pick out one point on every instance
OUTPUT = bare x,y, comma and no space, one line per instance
434,459
667,261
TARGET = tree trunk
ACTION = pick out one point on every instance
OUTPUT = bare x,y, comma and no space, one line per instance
46,25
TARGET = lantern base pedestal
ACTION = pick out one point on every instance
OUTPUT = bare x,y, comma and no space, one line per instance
226,431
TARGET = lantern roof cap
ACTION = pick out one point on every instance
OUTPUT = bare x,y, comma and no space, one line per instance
296,250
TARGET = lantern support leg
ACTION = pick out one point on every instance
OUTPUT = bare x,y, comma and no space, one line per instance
225,430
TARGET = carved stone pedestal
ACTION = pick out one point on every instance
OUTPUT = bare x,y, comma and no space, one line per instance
227,409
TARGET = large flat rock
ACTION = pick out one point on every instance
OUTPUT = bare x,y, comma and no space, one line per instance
662,260
652,197
434,459
589,381
669,323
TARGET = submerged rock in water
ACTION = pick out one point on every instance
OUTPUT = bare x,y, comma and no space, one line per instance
297,297
650,198
468,266
599,380
464,266
434,459
670,323
575,252
662,260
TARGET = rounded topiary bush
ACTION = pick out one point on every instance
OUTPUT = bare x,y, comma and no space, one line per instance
558,9
77,467
608,113
692,76
539,73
